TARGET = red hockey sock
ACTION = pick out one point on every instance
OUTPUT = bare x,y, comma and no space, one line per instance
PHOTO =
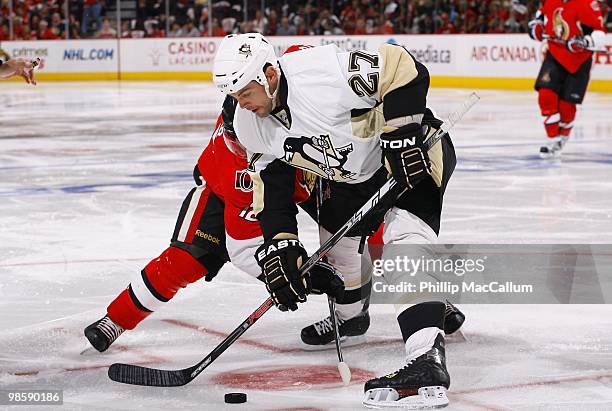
159,282
124,312
549,106
567,111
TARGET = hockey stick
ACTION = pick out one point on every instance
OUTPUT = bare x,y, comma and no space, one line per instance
564,43
343,369
137,375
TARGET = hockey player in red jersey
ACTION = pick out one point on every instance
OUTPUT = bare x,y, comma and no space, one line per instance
215,225
573,28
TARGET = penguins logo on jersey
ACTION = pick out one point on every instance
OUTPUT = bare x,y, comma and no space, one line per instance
560,26
318,155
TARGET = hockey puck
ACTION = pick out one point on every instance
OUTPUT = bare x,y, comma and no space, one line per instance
235,397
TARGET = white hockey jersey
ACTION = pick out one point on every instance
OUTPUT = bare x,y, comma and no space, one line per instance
315,131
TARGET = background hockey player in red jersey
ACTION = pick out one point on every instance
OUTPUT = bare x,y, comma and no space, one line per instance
573,29
215,225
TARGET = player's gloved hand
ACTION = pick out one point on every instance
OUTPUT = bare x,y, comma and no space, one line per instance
578,44
405,155
325,279
536,29
280,260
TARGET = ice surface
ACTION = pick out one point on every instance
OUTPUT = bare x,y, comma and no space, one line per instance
91,179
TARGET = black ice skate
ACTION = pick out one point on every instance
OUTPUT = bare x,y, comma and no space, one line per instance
422,383
453,319
320,335
103,333
553,148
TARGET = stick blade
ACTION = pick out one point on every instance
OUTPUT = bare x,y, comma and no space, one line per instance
151,377
345,373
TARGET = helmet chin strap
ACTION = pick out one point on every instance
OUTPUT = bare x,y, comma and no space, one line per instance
267,88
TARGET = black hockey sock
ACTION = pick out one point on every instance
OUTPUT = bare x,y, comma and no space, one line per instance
419,316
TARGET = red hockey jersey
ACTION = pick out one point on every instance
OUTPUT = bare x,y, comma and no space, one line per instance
564,20
226,174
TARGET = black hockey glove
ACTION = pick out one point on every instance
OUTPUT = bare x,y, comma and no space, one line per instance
326,279
405,155
280,261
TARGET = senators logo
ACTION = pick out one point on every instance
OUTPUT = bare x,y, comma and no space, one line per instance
243,181
560,26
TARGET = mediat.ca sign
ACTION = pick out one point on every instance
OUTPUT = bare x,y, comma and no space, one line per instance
184,52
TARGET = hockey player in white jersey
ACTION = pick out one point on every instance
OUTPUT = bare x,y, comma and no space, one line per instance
337,114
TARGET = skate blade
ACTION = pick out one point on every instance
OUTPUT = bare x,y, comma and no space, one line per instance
550,156
456,337
345,341
88,350
427,398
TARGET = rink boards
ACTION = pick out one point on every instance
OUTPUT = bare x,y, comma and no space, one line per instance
474,61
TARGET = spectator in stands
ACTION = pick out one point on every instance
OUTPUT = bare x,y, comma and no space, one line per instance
459,25
27,34
285,29
74,27
229,24
203,21
155,31
175,30
57,26
272,23
512,24
300,28
45,32
189,30
92,11
496,26
34,20
260,23
445,26
246,27
4,32
360,26
107,31
425,25
18,28
217,30
126,31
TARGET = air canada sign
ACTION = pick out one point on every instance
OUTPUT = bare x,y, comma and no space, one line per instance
505,53
191,52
